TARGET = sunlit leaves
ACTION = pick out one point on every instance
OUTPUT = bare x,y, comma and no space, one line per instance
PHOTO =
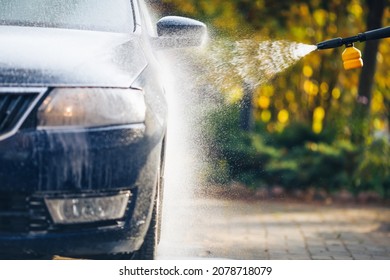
336,93
264,102
320,17
355,9
311,87
266,116
283,116
307,71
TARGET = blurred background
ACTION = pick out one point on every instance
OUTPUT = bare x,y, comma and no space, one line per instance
312,129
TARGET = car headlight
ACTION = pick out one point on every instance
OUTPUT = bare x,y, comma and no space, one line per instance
87,209
91,107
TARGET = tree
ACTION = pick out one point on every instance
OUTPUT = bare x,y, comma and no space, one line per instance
246,110
362,111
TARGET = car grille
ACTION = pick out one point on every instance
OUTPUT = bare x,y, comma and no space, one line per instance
15,104
22,214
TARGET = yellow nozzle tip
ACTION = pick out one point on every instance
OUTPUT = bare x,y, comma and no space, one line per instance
352,58
353,64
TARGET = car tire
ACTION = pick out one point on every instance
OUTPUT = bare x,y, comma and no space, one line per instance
148,248
152,237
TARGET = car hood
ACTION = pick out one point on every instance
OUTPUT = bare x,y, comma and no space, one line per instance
32,56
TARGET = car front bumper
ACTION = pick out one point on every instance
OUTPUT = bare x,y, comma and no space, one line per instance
35,164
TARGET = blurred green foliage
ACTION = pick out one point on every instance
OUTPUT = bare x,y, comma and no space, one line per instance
305,116
295,158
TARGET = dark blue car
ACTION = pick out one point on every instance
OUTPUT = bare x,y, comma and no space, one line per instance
83,119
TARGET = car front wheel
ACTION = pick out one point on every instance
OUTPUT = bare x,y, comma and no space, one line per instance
149,246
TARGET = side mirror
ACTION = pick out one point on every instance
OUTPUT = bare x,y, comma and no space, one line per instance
179,32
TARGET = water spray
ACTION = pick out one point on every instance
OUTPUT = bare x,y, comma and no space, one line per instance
352,57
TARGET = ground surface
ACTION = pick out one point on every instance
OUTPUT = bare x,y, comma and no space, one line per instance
220,227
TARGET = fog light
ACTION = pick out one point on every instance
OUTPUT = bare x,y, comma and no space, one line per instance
87,209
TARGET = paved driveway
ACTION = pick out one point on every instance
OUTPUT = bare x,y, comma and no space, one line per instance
239,229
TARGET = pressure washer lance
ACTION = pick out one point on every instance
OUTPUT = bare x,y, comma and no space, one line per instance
352,57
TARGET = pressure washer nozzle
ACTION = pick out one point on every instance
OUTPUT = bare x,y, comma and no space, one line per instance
352,58
330,44
361,37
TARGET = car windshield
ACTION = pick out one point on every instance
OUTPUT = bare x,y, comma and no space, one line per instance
99,15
